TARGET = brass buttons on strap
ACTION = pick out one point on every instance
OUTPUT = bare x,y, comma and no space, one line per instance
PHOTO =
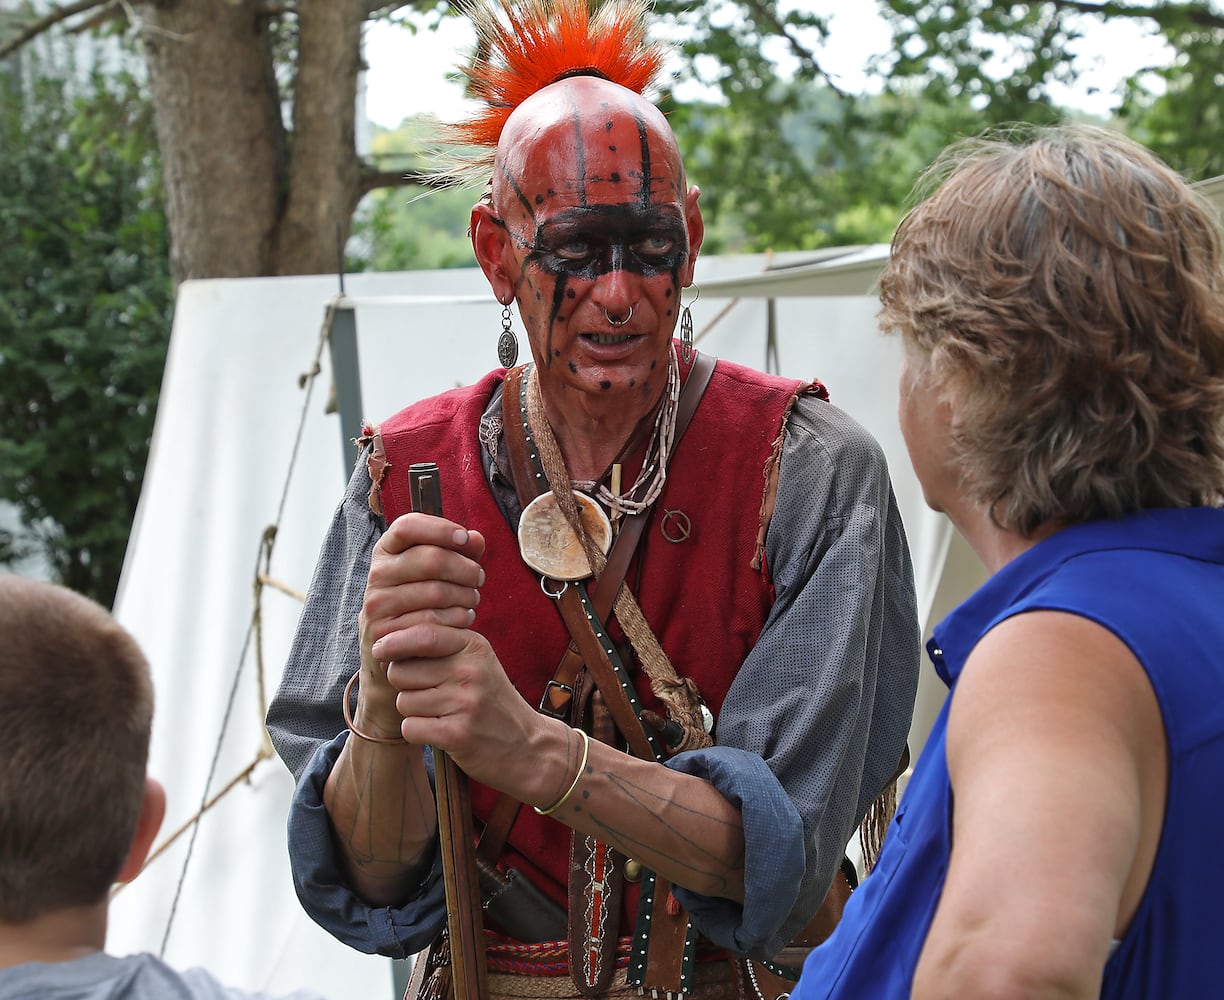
633,870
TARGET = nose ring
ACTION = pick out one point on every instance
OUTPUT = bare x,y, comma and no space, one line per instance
618,322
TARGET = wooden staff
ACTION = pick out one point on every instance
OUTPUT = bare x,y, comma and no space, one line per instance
465,928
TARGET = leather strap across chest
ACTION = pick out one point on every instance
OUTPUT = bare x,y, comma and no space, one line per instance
559,691
665,960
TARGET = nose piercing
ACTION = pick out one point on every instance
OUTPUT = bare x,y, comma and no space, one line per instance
618,322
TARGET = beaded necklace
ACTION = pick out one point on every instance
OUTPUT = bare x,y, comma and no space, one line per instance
653,475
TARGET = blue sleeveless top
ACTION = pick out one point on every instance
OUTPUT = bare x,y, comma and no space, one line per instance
1156,580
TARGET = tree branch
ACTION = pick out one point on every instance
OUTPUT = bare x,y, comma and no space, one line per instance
373,178
1163,14
802,53
48,21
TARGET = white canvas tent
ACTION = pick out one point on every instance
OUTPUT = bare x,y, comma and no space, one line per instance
245,470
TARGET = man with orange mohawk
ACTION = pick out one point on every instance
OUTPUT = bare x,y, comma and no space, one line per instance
696,645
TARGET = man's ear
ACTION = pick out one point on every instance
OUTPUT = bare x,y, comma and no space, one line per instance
152,812
492,246
696,231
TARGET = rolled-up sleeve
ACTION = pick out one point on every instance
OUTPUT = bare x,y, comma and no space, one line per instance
398,931
823,702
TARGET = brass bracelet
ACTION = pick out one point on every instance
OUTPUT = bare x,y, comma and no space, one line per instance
348,717
586,747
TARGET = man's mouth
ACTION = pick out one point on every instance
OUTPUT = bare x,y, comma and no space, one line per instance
607,339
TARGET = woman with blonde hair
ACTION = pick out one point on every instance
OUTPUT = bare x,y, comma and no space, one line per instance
1061,300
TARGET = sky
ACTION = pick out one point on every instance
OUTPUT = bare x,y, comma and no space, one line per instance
407,73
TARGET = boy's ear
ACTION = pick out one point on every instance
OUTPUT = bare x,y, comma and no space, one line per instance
152,812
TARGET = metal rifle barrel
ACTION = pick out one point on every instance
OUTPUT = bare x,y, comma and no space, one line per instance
463,908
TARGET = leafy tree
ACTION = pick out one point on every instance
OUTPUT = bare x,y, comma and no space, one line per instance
397,230
85,303
787,160
1184,123
255,110
831,171
1004,56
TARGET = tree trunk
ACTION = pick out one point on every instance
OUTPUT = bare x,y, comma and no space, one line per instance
242,198
324,172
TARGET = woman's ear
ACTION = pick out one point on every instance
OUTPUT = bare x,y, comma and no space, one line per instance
152,812
492,246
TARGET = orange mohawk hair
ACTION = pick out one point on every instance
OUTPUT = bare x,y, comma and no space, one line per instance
523,46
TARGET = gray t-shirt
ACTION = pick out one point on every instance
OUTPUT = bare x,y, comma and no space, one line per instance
133,977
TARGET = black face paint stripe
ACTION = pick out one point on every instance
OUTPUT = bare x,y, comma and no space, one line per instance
518,193
559,287
644,141
580,149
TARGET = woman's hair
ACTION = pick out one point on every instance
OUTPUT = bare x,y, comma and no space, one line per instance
76,707
1065,288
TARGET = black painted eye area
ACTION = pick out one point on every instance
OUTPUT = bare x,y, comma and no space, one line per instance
593,240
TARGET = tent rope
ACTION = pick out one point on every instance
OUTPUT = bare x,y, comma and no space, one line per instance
261,578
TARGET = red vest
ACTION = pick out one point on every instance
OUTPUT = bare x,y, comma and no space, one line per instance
702,597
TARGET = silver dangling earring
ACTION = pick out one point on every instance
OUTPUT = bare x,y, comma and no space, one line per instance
507,343
686,328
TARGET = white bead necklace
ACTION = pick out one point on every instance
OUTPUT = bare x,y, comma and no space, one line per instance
653,474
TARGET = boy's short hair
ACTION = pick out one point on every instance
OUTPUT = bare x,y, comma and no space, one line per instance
1065,288
76,709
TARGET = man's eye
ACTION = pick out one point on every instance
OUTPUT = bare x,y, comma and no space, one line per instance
574,249
655,246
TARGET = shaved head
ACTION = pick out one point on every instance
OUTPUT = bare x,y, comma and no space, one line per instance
586,138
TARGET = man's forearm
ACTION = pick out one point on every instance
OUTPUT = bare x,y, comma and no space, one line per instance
383,817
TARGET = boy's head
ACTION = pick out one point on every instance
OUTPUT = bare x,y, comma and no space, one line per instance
76,707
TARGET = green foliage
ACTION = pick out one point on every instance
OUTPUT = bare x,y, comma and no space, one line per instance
1003,57
788,161
410,228
85,307
830,171
1184,123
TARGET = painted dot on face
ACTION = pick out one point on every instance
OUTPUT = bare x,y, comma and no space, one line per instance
539,199
570,293
615,178
632,383
667,294
573,368
605,385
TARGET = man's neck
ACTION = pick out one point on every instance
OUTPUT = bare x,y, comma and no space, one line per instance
593,433
55,936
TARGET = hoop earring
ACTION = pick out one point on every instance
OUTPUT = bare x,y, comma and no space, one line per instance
507,343
686,328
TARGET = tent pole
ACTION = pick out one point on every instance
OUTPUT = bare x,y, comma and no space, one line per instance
346,376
